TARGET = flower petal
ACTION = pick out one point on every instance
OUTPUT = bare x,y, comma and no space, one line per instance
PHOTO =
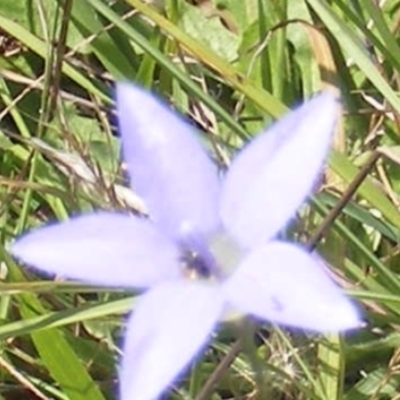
104,248
272,176
168,328
167,165
284,284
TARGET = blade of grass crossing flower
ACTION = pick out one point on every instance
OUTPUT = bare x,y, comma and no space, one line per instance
60,359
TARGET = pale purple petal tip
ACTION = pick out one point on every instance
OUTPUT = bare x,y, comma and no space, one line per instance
274,174
169,326
108,249
285,285
167,165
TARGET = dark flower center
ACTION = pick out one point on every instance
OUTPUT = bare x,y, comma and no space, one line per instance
212,258
195,265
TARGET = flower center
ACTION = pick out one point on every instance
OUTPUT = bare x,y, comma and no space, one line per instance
210,259
195,266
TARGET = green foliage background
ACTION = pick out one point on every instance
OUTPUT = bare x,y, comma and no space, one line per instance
232,67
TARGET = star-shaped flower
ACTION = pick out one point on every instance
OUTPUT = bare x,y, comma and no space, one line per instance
208,245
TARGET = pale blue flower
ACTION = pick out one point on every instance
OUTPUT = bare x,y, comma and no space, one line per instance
208,246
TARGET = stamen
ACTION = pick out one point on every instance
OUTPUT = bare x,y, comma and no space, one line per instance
195,266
